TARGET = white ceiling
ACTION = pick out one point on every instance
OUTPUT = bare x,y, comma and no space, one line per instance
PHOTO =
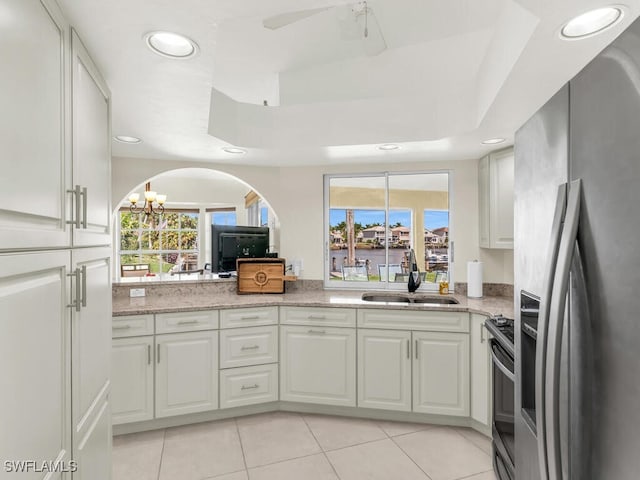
454,73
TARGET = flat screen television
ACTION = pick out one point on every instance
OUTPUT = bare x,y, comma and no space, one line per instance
230,242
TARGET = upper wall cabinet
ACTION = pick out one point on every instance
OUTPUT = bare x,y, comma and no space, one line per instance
495,173
91,147
34,126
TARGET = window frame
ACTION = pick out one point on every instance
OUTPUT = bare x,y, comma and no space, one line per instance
384,285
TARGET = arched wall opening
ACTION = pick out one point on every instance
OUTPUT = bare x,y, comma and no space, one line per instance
196,197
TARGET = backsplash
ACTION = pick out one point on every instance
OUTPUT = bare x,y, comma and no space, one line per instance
488,289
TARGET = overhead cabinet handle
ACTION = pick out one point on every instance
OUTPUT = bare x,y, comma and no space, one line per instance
76,302
75,212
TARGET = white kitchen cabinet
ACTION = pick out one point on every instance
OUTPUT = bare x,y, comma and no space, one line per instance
495,188
90,350
34,124
132,379
441,373
384,369
241,347
34,360
318,364
481,392
248,385
92,453
91,150
186,373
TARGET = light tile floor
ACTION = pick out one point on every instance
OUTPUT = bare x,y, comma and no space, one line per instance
291,446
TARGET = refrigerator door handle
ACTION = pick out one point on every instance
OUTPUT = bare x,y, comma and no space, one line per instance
543,319
556,320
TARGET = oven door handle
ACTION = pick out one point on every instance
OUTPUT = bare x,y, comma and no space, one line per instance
557,312
543,320
503,368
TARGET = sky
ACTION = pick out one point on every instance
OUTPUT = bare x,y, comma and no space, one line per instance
432,218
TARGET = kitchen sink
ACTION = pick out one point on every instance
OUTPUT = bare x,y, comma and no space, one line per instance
408,298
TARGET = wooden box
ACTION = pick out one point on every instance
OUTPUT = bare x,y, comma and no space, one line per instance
261,275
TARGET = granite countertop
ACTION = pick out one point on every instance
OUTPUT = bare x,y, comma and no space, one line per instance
319,298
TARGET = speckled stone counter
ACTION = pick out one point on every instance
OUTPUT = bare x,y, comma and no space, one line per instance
193,296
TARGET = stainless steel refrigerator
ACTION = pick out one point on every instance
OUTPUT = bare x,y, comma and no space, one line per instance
577,249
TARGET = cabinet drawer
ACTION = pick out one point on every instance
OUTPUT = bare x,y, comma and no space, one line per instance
331,317
240,347
248,385
414,320
131,326
186,321
248,317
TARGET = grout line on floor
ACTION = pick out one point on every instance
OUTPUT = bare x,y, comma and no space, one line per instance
321,447
410,458
471,442
244,460
164,436
474,474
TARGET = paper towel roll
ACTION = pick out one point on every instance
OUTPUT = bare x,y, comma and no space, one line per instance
474,279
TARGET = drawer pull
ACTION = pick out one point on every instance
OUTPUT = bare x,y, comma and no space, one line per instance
250,317
121,327
252,347
148,354
320,332
317,317
188,322
250,387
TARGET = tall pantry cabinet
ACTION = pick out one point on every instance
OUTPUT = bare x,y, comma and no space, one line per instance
55,292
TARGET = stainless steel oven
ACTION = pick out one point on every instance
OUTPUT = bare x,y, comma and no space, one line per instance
502,353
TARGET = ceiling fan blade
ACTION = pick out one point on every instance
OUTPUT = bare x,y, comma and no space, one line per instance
279,21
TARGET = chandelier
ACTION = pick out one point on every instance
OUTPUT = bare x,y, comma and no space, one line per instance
153,202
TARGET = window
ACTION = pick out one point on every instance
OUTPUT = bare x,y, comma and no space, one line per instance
168,244
223,216
373,221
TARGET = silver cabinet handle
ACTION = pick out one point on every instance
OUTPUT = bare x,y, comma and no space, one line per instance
409,349
148,354
482,339
320,332
121,327
252,347
244,387
543,319
77,302
556,321
416,349
250,317
75,214
188,322
83,193
158,353
317,317
83,276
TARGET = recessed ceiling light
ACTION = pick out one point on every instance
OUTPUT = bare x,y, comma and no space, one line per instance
171,45
127,139
493,141
234,150
591,22
388,146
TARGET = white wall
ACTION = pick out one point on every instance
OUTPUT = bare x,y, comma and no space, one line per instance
296,196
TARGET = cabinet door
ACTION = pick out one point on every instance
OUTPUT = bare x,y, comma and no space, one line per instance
33,122
91,341
484,211
501,171
318,365
34,361
186,373
91,149
92,453
480,371
441,373
384,369
132,379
